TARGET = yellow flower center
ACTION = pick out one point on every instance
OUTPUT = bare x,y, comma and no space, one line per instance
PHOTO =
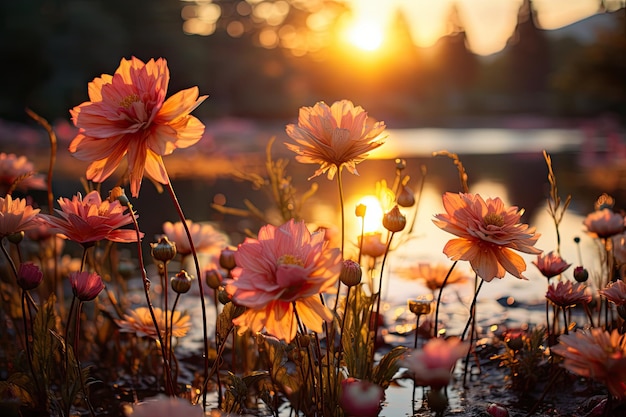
127,101
494,219
290,260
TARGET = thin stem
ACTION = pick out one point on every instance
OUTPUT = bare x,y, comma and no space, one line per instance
146,289
218,342
303,332
380,287
80,374
472,308
343,230
194,254
443,285
417,331
343,325
26,339
164,289
170,334
565,324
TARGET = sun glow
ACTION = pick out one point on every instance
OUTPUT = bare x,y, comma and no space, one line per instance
373,219
365,35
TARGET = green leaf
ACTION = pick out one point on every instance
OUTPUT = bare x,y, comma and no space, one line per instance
388,366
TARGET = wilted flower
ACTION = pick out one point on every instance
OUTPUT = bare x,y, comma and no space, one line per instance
488,233
139,321
567,293
360,398
372,244
596,354
432,364
89,220
86,285
433,275
18,172
128,115
205,237
604,223
615,292
29,276
551,265
17,216
164,406
285,269
334,136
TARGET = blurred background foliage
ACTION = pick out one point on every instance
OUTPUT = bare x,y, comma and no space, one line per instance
264,63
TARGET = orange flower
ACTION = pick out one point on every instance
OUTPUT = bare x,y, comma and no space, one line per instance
286,266
372,245
18,172
433,275
334,136
596,354
615,292
128,115
567,294
139,321
164,406
432,365
488,233
551,265
88,220
206,238
17,216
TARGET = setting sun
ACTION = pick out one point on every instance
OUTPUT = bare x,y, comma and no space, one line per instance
365,35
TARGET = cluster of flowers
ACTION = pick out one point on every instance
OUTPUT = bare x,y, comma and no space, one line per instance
277,286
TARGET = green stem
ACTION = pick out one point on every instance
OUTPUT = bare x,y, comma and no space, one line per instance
380,288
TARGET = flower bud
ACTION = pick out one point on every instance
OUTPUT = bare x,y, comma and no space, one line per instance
116,193
496,410
580,274
29,276
181,282
86,286
394,221
213,278
406,197
360,210
350,273
400,164
360,398
227,259
16,237
126,268
372,245
163,250
419,307
223,297
515,343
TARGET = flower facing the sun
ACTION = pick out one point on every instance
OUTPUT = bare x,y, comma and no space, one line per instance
127,115
17,216
567,294
551,264
334,136
139,321
279,277
488,233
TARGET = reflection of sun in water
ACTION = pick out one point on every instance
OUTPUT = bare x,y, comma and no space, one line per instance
365,35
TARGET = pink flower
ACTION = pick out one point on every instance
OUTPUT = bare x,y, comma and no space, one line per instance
334,136
286,268
596,354
85,285
488,233
164,406
604,223
360,398
17,172
29,276
615,292
206,238
567,293
433,275
89,220
372,245
433,363
127,115
17,216
551,265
